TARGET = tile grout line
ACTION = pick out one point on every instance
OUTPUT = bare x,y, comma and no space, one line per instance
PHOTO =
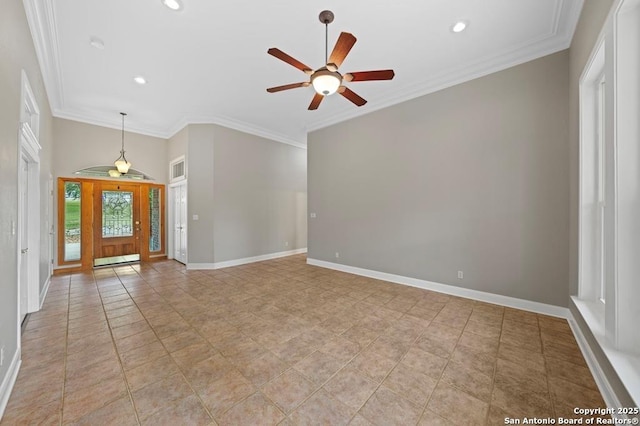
66,346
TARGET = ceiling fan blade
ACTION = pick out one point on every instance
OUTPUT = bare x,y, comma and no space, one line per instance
352,96
341,50
315,102
369,75
287,87
288,59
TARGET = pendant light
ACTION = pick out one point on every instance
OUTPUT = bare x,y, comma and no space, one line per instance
121,163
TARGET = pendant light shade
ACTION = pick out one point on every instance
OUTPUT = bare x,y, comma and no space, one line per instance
121,163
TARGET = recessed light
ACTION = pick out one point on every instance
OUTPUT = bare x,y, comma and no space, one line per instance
140,79
459,26
172,4
96,42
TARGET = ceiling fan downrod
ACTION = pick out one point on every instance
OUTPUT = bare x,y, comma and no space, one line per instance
326,17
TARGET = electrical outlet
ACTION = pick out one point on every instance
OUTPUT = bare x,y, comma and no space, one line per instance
337,255
460,275
286,243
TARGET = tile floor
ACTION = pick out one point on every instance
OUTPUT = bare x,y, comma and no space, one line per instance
282,342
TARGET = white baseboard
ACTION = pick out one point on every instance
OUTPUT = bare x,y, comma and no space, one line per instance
44,291
511,302
609,396
8,381
244,261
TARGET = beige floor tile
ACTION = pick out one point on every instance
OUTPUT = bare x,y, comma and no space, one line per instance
468,379
318,367
289,390
160,395
151,372
142,354
457,406
87,400
375,366
173,332
388,408
425,363
187,411
321,409
255,410
351,387
262,369
410,384
119,412
225,392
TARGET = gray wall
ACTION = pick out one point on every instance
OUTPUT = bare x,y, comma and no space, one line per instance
80,145
249,194
260,196
472,178
177,145
17,53
200,199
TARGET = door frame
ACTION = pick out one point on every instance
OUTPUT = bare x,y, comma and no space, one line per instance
171,217
88,192
30,151
137,223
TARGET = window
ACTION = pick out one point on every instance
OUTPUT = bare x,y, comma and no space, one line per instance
72,221
600,121
593,145
155,212
177,170
609,192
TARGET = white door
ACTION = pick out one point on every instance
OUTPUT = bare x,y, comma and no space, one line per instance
23,260
179,214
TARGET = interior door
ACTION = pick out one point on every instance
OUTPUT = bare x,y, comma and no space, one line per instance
180,222
116,226
24,236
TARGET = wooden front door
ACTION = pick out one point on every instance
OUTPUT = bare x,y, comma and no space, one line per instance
116,224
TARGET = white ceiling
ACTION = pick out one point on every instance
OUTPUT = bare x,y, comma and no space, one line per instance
208,63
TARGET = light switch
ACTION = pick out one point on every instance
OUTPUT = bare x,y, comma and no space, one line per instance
312,215
196,217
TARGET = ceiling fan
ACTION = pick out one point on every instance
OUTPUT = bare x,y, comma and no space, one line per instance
327,80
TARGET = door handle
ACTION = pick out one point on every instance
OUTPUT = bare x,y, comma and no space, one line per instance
25,250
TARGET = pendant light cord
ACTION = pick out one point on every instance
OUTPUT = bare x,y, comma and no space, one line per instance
123,114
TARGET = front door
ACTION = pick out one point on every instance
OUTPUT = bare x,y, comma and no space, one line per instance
116,229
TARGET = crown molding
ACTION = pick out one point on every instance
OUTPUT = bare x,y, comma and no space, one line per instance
42,24
239,125
567,11
96,120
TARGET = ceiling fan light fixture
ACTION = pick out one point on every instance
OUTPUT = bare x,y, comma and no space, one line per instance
326,82
172,4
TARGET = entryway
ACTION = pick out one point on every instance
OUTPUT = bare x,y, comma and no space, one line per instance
106,222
